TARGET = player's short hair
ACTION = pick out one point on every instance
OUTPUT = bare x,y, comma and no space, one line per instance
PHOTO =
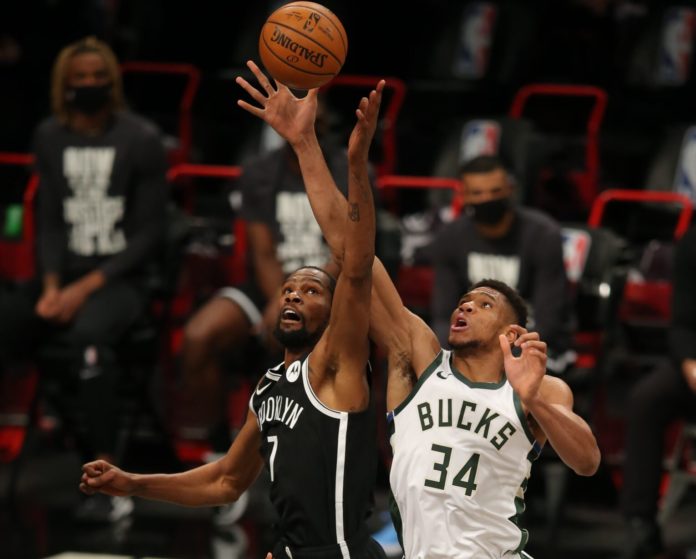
517,304
60,74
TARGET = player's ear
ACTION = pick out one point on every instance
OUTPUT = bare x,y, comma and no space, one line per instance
510,334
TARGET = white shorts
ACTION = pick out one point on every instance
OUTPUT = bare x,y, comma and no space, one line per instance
245,303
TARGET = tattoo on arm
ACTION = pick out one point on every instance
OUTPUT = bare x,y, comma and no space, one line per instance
354,212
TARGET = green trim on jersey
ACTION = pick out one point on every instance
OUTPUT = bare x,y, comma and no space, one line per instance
396,518
520,507
471,384
523,418
428,371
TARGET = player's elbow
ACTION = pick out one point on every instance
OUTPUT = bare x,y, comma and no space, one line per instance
589,465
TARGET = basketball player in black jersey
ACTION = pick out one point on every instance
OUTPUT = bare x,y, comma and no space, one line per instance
311,420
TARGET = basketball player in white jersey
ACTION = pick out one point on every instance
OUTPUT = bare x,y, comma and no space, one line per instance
311,420
466,424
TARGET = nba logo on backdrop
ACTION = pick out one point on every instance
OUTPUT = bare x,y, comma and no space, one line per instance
676,49
479,137
685,182
576,247
475,39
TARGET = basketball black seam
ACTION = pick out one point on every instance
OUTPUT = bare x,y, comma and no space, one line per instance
294,67
308,38
329,19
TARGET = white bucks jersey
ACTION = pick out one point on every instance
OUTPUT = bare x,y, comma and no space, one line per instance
462,458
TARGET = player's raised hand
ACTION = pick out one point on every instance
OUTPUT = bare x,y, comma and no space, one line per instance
524,373
292,117
367,114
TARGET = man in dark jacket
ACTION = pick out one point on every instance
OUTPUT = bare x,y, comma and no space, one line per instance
494,239
101,217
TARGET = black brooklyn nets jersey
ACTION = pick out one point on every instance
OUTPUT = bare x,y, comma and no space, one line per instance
322,462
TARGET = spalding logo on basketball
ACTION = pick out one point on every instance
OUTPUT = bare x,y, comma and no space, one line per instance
303,45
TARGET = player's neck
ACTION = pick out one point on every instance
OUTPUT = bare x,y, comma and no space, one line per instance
479,366
294,354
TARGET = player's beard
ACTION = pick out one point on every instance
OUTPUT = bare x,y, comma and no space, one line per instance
298,339
468,348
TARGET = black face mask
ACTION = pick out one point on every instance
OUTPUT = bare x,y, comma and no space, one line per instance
88,99
488,213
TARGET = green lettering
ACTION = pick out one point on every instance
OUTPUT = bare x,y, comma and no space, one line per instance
465,404
425,416
485,422
511,430
442,422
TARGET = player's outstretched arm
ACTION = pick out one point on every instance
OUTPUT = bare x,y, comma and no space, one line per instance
550,402
217,483
294,119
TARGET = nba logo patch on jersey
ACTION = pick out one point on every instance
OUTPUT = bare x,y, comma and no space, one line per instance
479,137
475,38
685,180
293,372
677,46
576,247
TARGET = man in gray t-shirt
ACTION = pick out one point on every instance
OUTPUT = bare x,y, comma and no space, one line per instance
493,239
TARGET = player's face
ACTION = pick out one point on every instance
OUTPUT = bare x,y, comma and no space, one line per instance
305,307
87,69
484,187
481,315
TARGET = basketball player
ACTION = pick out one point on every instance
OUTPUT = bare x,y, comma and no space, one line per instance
311,419
466,424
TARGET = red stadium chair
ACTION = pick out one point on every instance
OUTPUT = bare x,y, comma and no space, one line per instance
587,177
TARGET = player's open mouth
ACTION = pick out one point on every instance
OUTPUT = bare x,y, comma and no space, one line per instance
459,324
290,315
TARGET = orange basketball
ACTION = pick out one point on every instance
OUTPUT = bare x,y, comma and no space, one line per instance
303,45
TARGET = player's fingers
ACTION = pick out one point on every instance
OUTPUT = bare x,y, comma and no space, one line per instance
94,468
505,346
260,76
521,330
87,489
537,354
250,108
526,337
254,93
534,344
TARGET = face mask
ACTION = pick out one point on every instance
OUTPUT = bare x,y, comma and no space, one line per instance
88,99
488,213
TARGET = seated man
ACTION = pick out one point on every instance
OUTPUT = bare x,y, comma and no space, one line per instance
101,221
655,402
494,239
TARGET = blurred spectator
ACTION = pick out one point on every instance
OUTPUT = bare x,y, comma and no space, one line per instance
101,218
495,239
666,395
239,321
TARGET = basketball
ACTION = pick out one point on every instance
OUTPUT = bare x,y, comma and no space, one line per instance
303,45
